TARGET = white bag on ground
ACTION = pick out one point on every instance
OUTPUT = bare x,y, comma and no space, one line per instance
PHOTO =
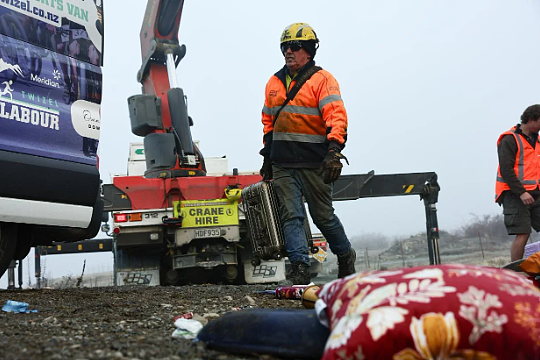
186,328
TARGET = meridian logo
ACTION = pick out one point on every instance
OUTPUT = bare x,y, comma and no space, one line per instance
56,75
45,81
21,111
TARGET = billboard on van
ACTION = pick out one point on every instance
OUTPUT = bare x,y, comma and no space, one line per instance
69,27
49,103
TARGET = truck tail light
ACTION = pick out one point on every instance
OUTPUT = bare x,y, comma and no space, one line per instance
135,217
116,230
120,218
320,244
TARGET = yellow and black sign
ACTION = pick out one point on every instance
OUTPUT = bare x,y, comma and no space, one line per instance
408,188
197,213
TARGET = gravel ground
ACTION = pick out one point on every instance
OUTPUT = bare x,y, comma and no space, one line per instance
120,323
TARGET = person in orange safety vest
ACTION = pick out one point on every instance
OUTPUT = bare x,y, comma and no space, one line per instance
305,130
518,179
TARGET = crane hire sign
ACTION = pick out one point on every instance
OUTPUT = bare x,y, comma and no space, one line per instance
197,213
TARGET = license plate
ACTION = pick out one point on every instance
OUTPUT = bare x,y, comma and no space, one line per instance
207,233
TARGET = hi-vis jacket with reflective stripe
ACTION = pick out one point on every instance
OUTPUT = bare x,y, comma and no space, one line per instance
526,166
308,124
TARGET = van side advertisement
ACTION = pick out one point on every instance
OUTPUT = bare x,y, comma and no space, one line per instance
69,27
49,103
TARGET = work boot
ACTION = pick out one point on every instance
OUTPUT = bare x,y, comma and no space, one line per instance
346,263
291,271
298,274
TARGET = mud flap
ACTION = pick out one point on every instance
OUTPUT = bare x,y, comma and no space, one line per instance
286,333
148,277
136,267
267,271
270,271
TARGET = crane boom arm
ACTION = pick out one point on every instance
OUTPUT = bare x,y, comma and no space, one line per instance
160,114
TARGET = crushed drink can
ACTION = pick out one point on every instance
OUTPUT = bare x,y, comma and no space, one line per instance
291,292
188,315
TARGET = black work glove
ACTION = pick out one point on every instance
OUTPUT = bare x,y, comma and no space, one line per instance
266,170
331,166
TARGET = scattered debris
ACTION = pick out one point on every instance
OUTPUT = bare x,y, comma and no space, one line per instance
186,328
94,316
242,307
249,300
200,319
310,296
210,316
270,292
188,315
17,307
288,292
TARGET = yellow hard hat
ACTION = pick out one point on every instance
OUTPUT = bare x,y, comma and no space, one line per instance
298,32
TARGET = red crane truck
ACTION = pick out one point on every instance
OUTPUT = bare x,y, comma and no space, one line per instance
175,222
178,223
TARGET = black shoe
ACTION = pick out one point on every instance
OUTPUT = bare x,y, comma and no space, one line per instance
291,271
346,263
298,274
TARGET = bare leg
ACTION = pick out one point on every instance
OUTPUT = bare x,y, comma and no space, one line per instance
518,247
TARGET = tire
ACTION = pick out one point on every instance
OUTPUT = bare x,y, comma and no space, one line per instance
24,242
8,243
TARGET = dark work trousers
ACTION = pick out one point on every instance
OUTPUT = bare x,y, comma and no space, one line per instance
290,186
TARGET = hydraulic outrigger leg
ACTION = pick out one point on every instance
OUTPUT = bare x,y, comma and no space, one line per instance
352,187
430,196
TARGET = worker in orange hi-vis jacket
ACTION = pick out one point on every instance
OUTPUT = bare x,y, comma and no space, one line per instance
518,178
305,130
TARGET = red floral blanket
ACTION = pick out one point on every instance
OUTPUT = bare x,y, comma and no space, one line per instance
433,312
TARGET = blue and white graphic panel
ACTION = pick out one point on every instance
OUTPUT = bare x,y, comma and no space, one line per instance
69,27
49,103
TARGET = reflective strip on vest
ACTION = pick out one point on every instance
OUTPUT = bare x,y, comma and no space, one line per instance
520,159
305,138
524,182
302,110
270,111
328,100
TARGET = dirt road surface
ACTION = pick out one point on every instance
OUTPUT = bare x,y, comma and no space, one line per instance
120,323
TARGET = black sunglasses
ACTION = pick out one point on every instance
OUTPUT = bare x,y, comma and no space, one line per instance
293,45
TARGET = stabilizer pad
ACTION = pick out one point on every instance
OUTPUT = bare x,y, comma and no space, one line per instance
287,333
